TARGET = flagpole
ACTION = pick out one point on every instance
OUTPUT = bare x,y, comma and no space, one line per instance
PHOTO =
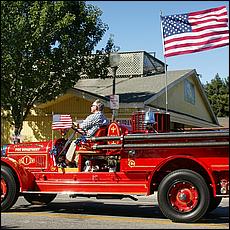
52,130
166,74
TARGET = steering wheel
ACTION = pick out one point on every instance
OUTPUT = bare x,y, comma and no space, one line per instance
78,130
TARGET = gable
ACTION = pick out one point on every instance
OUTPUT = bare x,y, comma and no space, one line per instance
186,101
178,101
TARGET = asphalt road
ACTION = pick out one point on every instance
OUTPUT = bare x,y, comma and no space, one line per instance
85,213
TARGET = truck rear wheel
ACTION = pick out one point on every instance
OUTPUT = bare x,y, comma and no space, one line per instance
183,196
39,198
9,189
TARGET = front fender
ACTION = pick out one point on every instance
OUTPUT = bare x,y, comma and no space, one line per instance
24,177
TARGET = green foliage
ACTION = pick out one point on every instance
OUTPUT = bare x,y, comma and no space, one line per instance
218,94
99,62
46,46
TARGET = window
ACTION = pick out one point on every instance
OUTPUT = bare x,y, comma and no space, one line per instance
189,92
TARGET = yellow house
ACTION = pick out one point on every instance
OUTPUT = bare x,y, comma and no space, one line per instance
140,87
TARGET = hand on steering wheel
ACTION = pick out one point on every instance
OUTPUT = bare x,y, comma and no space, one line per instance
75,126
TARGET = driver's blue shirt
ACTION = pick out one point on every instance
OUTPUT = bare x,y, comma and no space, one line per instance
93,122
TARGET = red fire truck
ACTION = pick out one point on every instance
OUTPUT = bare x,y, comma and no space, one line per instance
189,169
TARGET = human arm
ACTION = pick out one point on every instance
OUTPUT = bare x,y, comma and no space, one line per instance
91,121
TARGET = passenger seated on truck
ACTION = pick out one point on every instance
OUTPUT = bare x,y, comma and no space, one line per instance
90,125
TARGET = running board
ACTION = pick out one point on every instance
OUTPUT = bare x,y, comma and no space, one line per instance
104,196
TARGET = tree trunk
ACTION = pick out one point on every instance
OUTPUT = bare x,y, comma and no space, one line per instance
16,137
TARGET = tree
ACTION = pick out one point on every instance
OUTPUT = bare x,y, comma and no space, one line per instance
46,47
218,94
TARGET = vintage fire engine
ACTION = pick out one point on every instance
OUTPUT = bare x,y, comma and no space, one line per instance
189,170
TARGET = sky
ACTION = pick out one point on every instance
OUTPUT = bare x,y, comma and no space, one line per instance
135,26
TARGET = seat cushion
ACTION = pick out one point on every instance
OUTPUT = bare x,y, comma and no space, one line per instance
102,131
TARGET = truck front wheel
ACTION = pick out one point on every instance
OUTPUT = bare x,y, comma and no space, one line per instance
183,196
39,198
9,189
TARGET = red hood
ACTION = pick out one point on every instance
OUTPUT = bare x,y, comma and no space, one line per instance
29,147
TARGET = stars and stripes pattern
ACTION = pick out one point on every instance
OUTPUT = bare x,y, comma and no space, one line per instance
195,31
61,121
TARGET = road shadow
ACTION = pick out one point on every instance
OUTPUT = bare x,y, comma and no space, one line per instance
111,208
9,227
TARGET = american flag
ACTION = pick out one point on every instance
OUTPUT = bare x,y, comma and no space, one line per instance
195,31
61,121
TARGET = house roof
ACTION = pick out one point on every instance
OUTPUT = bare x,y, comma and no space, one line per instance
131,89
140,90
140,81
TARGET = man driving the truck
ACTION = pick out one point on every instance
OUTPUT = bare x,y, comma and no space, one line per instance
90,125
